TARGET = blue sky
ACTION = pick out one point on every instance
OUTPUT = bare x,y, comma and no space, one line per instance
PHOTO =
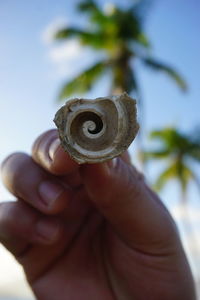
32,69
29,79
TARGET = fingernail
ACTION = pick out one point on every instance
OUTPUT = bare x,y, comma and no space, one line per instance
53,148
49,192
47,230
112,163
108,167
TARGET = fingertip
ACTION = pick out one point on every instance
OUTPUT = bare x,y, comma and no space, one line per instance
48,152
126,157
62,163
100,179
95,172
100,171
53,148
12,163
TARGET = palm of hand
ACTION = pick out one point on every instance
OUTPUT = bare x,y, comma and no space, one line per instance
89,260
82,263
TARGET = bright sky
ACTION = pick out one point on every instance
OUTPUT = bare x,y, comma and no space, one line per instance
32,68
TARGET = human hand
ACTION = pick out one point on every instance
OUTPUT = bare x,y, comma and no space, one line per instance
90,231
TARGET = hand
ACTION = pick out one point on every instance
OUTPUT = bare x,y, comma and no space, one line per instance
91,231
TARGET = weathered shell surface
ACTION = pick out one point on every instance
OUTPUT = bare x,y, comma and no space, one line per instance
97,130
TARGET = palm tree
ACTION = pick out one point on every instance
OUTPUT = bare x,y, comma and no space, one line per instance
180,151
120,35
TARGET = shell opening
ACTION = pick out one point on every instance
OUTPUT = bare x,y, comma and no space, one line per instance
87,125
94,125
90,122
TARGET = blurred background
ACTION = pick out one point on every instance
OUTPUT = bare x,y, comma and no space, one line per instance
50,51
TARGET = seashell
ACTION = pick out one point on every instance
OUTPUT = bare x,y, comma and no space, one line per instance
94,131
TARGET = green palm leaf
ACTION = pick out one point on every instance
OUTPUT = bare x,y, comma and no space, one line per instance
184,175
172,139
83,82
66,33
97,16
195,152
159,66
195,145
143,40
97,40
140,9
87,5
158,154
165,176
180,149
177,170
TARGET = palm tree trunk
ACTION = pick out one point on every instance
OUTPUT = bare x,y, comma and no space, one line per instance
121,73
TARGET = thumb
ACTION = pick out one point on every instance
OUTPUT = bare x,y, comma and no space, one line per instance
134,211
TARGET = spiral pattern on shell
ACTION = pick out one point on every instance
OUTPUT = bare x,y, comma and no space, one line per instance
97,130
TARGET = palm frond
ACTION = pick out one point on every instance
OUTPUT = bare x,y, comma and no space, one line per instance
65,33
97,16
165,176
87,5
97,39
180,148
171,139
195,144
196,179
129,27
83,82
195,152
160,134
184,175
159,66
164,135
69,32
140,9
143,40
178,142
157,154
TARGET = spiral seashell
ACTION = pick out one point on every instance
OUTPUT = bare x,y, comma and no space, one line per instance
97,130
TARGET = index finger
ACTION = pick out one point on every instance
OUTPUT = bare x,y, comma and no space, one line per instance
48,153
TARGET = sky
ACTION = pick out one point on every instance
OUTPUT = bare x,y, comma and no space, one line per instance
33,68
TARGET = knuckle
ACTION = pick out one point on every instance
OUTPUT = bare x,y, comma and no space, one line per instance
9,212
13,167
7,215
12,158
16,218
3,210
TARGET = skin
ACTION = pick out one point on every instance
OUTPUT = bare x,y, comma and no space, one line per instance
90,231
